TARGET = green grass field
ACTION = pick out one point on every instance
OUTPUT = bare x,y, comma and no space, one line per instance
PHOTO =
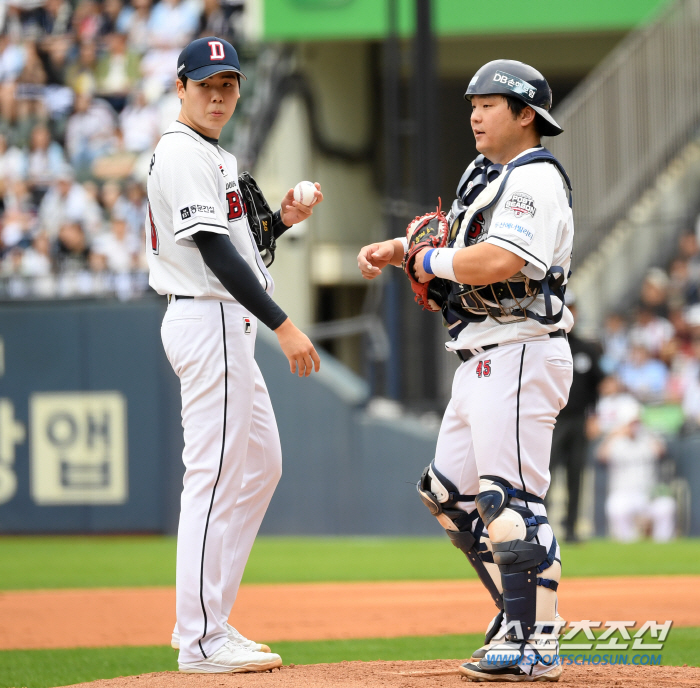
87,562
28,563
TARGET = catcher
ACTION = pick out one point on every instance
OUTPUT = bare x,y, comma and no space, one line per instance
496,267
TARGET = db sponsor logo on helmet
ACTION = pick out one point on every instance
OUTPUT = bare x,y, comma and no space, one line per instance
521,204
519,86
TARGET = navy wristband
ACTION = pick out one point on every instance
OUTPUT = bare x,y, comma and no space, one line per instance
426,262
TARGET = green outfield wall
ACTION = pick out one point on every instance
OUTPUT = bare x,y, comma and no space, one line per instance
300,20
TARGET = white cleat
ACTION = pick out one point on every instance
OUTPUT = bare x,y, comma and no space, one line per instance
232,659
233,635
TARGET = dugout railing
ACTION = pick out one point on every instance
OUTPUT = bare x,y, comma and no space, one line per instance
628,119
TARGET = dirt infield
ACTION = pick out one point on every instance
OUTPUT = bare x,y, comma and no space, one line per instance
431,674
327,611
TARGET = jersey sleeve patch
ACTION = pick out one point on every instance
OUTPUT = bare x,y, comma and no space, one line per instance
197,209
521,205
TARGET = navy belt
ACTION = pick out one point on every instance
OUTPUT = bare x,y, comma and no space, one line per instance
467,354
177,297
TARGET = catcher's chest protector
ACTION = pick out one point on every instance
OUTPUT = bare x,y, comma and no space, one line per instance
479,189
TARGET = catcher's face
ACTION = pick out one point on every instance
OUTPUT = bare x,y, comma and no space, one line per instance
500,135
208,104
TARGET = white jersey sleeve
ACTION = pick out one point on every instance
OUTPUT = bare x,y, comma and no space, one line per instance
528,219
188,181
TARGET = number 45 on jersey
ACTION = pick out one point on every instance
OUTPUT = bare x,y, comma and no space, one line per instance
483,368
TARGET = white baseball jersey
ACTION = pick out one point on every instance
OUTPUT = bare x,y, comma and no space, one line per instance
532,219
193,187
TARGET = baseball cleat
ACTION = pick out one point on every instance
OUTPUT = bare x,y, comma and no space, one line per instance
479,654
231,658
475,672
233,635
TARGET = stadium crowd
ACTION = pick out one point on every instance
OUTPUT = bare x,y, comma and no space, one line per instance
651,359
86,89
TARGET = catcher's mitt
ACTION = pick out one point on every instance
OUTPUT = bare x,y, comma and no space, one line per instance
426,231
259,217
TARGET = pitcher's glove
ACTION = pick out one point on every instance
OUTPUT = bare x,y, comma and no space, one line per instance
426,231
260,217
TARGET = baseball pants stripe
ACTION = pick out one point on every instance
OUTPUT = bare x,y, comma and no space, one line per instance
232,460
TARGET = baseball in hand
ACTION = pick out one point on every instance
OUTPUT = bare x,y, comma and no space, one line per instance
304,193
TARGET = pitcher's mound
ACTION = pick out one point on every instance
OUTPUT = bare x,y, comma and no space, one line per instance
429,674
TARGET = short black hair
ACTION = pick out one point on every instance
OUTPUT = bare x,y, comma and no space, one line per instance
516,106
184,80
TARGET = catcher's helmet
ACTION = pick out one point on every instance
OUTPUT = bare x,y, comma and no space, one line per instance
513,78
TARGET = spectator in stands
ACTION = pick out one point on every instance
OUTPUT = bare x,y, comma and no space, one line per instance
654,293
12,59
56,42
631,453
13,161
645,377
171,25
90,132
682,362
113,202
681,290
651,330
611,404
16,229
220,18
57,18
80,74
117,71
36,259
615,343
689,249
140,124
111,13
691,389
67,201
134,23
29,94
18,198
45,161
118,247
136,208
72,250
87,21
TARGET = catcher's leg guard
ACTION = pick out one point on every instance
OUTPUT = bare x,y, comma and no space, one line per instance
528,596
465,530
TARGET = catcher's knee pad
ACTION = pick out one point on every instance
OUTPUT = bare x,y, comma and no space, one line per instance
527,595
465,529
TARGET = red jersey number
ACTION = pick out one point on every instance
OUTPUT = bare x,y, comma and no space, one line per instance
235,206
483,368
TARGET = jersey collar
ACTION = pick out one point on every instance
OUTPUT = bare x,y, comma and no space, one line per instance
208,139
525,152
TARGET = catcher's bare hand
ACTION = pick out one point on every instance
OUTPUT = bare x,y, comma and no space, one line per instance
372,258
298,349
421,275
292,212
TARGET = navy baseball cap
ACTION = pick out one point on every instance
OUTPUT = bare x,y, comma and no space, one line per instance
208,56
